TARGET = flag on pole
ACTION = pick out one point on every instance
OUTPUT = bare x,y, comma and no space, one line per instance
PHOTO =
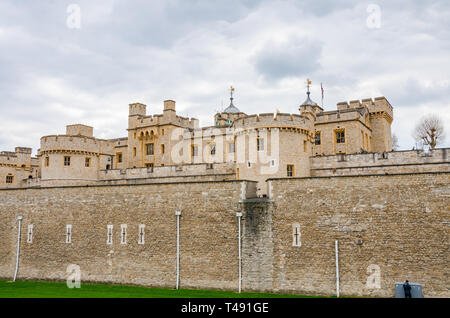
321,88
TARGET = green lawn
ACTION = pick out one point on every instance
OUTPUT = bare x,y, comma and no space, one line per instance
28,289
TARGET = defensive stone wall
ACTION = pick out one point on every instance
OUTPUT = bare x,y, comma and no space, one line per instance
409,161
208,228
389,228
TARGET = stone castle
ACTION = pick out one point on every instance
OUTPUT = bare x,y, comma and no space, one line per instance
301,181
238,146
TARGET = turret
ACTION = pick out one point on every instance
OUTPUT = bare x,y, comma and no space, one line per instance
137,109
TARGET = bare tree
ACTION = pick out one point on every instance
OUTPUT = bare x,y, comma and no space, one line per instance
429,131
395,142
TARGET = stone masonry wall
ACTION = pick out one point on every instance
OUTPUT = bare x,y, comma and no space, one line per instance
394,225
397,224
409,161
208,228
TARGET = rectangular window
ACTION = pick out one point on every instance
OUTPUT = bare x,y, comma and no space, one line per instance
317,138
162,132
134,151
47,161
340,137
259,144
305,146
231,147
123,234
30,233
149,149
141,239
162,149
9,179
69,233
212,149
194,151
66,161
119,157
290,170
109,237
87,162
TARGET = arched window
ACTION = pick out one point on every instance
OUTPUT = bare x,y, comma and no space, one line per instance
296,235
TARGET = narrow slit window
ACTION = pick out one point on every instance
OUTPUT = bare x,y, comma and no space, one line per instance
69,233
260,144
141,239
123,234
109,237
30,233
296,235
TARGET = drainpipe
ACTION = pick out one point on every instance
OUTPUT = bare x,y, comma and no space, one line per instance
337,268
239,215
178,214
19,218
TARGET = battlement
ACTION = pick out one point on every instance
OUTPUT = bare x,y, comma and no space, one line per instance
378,104
79,130
272,120
74,143
406,161
339,115
137,109
168,116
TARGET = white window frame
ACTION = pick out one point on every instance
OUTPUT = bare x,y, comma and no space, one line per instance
109,234
296,235
141,234
69,233
30,233
123,234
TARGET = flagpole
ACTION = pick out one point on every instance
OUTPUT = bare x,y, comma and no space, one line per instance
321,88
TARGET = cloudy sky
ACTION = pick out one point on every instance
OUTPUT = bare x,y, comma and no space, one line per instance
56,69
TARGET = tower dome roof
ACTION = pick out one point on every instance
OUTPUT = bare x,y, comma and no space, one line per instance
308,101
231,108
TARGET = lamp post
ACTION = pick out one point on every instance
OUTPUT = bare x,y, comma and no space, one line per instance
19,218
239,215
178,214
